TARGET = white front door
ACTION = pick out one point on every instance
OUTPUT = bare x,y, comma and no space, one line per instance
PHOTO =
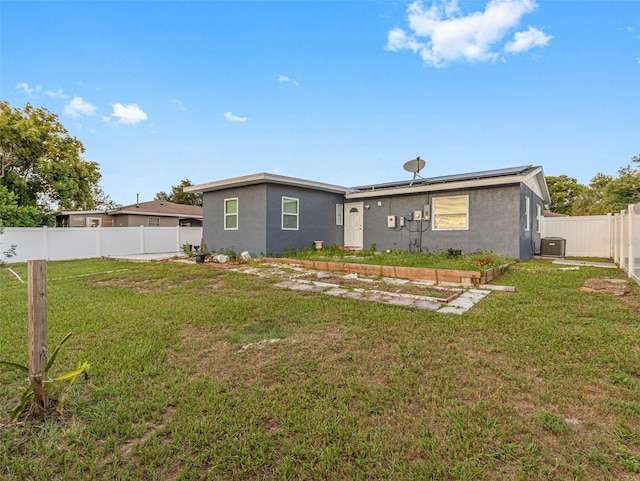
353,225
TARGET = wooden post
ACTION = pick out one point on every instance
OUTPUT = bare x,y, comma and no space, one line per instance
38,350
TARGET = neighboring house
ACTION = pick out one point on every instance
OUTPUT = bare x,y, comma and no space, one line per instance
156,213
496,210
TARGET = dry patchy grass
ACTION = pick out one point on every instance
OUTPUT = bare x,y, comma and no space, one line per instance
204,374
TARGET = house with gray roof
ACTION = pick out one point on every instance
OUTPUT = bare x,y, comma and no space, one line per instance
155,213
265,214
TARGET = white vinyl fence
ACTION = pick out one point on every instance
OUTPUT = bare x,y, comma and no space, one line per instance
614,236
586,236
65,243
626,241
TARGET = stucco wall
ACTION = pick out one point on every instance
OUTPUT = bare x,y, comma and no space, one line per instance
138,220
251,233
530,239
259,219
316,220
494,223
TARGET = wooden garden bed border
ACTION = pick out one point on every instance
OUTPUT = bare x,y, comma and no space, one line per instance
474,278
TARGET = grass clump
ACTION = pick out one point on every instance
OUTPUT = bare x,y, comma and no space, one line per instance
448,259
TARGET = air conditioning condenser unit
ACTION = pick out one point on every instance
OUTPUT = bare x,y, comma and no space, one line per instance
553,247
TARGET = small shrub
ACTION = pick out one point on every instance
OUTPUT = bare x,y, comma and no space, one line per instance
39,407
188,249
8,254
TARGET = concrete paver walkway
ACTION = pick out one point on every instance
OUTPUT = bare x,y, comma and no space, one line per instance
608,265
461,304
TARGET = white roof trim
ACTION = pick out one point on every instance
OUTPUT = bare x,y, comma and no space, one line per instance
263,178
540,187
462,184
82,212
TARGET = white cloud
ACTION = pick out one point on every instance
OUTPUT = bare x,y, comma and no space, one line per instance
526,40
441,34
234,118
283,79
58,93
179,104
24,86
78,107
128,114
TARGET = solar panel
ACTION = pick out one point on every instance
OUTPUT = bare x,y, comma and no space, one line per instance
485,174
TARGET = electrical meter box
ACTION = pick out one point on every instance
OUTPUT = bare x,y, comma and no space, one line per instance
417,215
391,221
408,217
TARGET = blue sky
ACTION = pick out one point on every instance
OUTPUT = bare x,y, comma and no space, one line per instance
342,92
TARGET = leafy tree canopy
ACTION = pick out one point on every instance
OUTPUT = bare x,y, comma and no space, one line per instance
604,194
564,191
14,215
179,196
41,164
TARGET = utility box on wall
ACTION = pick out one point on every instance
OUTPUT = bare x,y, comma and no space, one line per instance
391,221
553,247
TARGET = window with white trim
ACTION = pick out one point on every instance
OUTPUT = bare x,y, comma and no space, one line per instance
339,214
451,213
527,212
538,218
289,213
231,214
154,222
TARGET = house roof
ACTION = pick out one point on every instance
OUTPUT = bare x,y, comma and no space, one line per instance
159,208
532,176
548,213
264,178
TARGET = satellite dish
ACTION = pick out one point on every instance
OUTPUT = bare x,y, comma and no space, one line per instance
414,166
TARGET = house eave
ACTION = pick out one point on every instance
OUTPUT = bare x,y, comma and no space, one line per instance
264,178
416,189
82,212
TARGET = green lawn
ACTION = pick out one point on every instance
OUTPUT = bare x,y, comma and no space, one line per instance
539,384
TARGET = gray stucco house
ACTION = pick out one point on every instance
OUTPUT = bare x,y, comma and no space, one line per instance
155,213
265,214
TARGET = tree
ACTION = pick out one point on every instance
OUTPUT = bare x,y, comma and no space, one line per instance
102,201
604,194
14,215
624,189
179,196
41,164
564,191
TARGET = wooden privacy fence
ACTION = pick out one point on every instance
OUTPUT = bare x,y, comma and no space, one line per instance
64,243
